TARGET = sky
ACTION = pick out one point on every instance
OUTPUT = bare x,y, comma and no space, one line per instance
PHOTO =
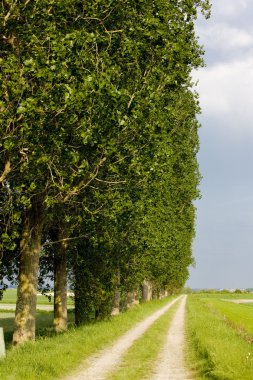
223,247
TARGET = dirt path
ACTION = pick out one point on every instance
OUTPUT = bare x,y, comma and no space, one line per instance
170,365
98,366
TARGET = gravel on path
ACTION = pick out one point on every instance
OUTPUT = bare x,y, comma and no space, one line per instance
170,364
98,366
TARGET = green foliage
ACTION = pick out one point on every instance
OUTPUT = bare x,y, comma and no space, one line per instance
98,117
94,283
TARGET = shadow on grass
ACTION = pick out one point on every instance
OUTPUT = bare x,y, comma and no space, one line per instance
44,324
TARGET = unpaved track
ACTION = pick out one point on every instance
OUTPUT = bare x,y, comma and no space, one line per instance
170,364
98,366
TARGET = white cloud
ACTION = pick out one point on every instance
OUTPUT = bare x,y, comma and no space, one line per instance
224,37
226,92
230,8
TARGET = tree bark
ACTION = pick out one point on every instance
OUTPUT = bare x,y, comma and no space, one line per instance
146,291
116,298
60,283
132,299
30,246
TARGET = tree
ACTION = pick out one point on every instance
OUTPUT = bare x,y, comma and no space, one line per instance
90,98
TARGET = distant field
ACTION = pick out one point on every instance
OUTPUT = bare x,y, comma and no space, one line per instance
10,296
232,296
220,336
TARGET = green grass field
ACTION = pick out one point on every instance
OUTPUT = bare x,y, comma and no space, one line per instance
9,296
44,319
219,344
52,356
239,316
44,323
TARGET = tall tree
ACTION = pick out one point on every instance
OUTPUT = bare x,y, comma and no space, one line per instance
82,85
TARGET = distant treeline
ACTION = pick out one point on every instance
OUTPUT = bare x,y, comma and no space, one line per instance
215,291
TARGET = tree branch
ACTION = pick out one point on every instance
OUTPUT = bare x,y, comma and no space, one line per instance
109,182
7,169
62,240
83,184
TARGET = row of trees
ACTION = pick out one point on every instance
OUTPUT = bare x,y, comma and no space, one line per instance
98,146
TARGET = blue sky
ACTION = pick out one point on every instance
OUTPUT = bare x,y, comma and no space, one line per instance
223,247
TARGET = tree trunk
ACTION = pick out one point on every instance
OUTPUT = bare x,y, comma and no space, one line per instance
30,246
146,291
60,283
132,299
116,299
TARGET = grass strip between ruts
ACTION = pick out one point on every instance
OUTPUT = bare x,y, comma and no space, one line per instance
139,360
51,358
214,349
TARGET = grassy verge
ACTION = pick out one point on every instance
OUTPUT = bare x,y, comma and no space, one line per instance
215,350
51,358
239,316
139,360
